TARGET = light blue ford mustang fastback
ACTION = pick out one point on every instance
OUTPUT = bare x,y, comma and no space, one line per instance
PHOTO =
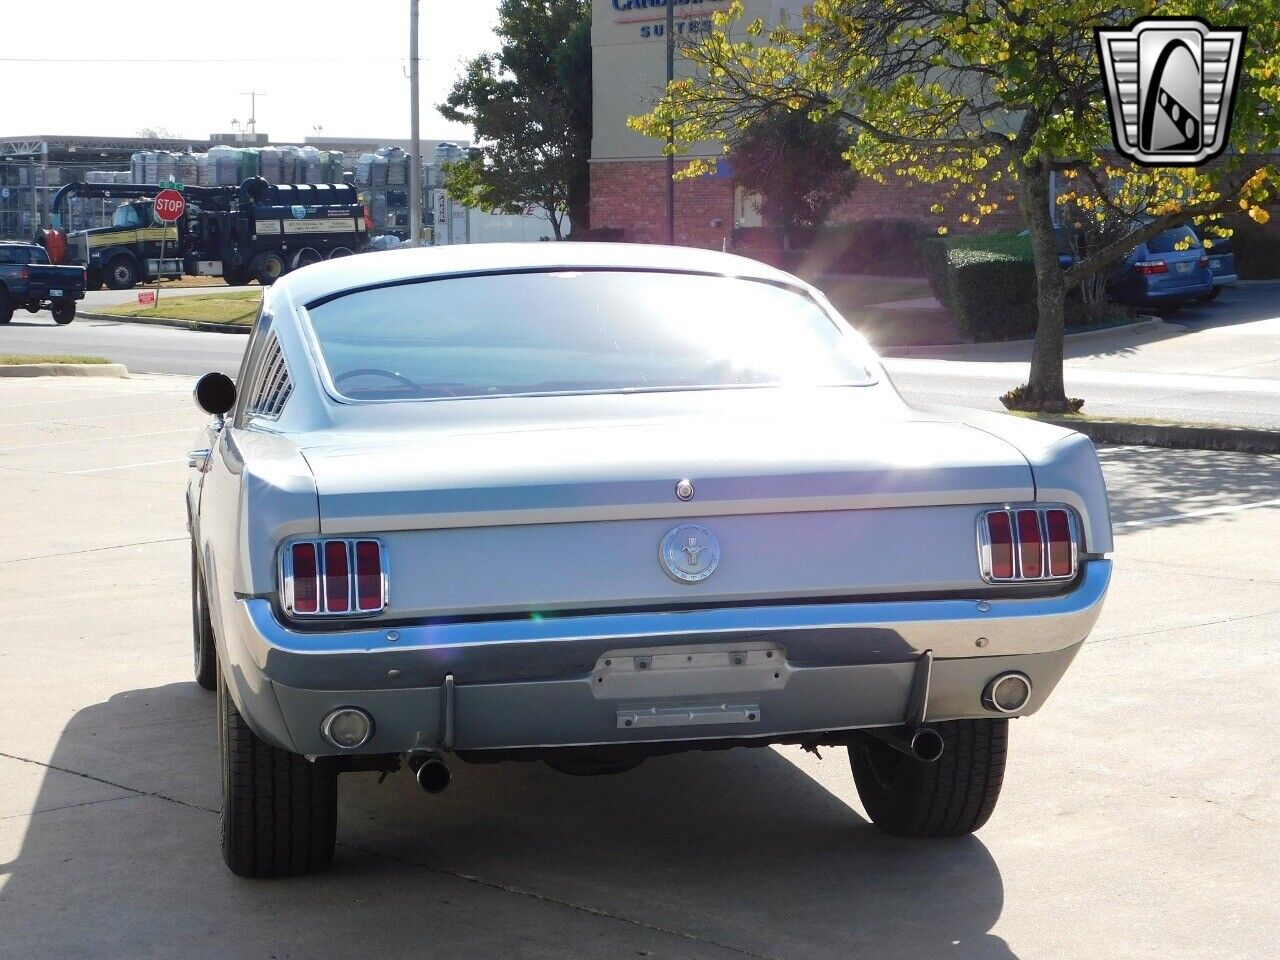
588,504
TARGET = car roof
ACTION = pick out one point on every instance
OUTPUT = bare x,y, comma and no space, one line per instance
323,280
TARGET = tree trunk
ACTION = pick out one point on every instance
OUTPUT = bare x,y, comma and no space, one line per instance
1045,389
555,217
579,201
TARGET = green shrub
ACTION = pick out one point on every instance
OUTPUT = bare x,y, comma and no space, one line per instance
987,283
1256,246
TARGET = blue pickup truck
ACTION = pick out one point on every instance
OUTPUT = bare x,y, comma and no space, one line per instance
28,279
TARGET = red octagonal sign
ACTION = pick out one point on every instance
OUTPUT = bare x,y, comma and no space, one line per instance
169,206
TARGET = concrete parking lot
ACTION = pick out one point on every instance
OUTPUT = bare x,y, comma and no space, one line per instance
1138,817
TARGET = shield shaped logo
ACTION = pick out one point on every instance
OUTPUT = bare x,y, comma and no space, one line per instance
1171,84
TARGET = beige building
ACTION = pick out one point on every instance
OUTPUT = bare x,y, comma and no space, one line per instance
628,172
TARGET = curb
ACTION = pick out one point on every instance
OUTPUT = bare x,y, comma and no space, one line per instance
168,322
1128,433
64,370
958,350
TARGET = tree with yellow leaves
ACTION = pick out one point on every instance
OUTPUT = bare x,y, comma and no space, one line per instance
989,98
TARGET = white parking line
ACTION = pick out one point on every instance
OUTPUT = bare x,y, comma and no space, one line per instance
1192,514
128,466
80,440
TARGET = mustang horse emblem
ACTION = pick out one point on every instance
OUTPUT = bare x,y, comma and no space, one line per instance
689,553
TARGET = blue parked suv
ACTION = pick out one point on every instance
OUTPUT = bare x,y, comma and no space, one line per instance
1222,262
1166,271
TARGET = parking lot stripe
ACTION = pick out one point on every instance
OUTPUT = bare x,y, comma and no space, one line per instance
1192,514
126,466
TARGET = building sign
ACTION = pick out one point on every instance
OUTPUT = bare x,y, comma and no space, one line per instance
647,19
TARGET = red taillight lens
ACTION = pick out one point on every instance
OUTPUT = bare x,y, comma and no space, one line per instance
1030,545
306,592
1027,543
1061,562
368,575
334,577
1000,538
337,577
1148,267
1204,262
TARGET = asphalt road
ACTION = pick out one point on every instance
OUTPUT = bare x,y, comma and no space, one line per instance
1213,363
1137,818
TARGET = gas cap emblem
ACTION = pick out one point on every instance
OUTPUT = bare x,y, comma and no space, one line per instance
689,553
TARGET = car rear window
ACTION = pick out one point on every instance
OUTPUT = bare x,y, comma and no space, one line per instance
12,255
1179,240
580,332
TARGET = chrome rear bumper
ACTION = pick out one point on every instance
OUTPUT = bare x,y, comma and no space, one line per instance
529,683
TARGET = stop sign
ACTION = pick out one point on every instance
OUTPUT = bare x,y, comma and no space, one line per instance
169,206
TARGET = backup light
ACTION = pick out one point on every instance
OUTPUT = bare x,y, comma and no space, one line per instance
1027,543
333,578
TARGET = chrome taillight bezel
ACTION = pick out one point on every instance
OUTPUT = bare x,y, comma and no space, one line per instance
322,612
1041,510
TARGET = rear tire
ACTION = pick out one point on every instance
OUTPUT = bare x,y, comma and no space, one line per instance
953,796
1210,296
206,656
121,274
268,268
64,311
279,810
6,306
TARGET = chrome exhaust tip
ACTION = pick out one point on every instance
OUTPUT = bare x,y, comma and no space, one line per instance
434,776
1007,693
924,744
927,744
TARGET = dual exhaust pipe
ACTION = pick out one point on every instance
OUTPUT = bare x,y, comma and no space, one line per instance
919,743
432,773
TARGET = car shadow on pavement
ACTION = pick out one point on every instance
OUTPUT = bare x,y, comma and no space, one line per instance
715,854
1148,482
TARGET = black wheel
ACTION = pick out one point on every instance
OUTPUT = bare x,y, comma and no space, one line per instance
1210,296
305,258
32,306
121,274
92,280
206,656
267,268
6,307
64,311
236,276
339,252
279,810
950,797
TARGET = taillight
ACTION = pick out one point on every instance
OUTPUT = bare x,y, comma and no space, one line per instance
368,575
1204,263
1062,546
306,587
1028,543
333,578
337,577
1148,267
1000,541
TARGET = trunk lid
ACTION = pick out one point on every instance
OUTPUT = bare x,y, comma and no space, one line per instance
843,493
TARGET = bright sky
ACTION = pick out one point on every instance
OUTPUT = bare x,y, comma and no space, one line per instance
340,65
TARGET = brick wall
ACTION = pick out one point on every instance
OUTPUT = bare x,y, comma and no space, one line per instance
906,199
632,194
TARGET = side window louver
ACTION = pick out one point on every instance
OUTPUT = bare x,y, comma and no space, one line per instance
274,385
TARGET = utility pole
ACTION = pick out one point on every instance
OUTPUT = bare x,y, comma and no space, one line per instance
415,134
671,128
252,125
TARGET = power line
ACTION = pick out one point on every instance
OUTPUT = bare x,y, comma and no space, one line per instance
70,61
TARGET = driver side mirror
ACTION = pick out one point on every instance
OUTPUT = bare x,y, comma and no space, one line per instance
215,394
